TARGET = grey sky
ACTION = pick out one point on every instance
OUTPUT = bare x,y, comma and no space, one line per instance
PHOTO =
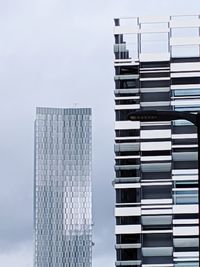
57,53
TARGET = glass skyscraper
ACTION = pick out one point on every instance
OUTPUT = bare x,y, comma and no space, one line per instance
62,188
157,67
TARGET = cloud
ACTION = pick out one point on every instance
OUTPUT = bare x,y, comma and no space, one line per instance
103,261
22,256
56,53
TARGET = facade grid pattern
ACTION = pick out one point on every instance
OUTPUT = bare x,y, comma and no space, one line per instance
62,188
157,67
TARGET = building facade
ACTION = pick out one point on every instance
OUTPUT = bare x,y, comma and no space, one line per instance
157,67
62,188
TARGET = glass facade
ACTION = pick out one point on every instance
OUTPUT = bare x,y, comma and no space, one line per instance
157,67
62,188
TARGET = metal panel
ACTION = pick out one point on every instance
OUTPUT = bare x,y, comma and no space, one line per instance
133,211
157,251
184,41
148,57
120,125
128,229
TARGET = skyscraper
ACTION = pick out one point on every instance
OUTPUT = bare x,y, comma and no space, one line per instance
62,188
157,67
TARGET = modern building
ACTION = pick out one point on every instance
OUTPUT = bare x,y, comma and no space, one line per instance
157,67
62,188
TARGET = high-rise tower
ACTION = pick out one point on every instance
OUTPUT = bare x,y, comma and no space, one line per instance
157,67
62,188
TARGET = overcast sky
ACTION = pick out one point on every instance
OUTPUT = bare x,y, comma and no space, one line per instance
57,53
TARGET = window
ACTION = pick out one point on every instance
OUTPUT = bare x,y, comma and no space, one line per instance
156,192
128,254
157,240
127,195
128,239
123,220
